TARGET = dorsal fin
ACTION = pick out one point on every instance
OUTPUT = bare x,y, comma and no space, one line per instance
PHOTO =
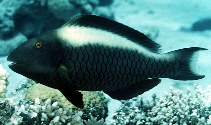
114,27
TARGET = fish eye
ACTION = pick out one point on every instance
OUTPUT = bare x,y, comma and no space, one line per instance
38,45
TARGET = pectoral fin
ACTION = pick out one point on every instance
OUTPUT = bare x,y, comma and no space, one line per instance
64,72
134,90
74,96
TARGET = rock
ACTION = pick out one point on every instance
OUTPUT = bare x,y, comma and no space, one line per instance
32,21
10,44
30,18
7,9
94,2
105,2
62,9
6,26
201,25
104,12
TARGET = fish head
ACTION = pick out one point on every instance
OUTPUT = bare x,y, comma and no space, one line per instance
37,58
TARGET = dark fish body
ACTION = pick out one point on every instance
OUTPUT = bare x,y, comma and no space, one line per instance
97,67
91,53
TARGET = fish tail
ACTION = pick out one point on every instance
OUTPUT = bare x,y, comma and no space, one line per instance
186,63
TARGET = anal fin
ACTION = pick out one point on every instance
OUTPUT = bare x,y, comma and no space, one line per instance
134,90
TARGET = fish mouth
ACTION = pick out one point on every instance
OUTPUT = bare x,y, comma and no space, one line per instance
12,63
15,64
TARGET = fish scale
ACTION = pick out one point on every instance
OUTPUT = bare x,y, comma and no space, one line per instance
127,67
93,53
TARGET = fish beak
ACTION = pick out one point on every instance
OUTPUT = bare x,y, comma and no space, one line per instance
10,58
15,64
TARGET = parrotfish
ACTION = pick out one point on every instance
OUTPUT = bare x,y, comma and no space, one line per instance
92,53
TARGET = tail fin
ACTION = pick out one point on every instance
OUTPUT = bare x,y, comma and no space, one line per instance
186,67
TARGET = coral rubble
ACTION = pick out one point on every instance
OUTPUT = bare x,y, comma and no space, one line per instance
175,108
42,113
49,110
48,113
3,81
6,111
95,102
